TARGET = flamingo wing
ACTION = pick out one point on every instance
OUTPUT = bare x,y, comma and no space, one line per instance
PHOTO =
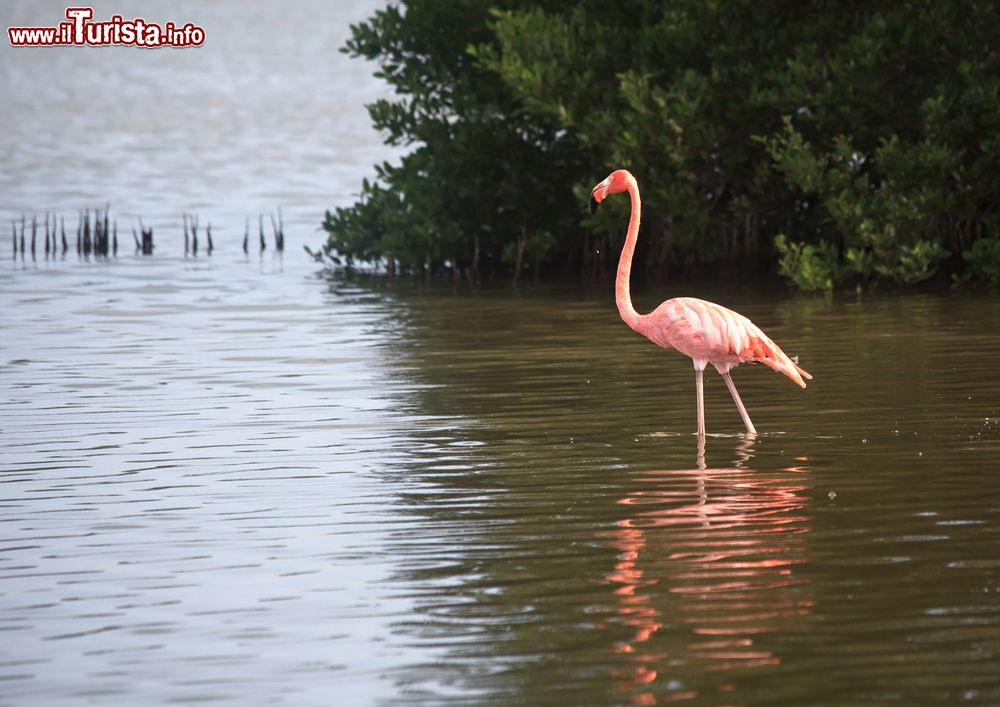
711,333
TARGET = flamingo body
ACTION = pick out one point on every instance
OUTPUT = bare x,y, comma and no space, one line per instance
710,333
705,331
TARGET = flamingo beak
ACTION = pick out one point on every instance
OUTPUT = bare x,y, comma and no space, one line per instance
598,195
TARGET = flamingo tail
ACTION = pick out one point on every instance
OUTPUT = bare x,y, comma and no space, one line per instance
765,351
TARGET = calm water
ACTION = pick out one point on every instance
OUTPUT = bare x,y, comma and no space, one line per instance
243,481
238,479
267,113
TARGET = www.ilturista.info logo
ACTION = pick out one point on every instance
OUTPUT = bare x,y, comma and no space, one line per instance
79,31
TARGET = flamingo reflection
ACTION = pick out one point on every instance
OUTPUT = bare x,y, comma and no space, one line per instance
710,553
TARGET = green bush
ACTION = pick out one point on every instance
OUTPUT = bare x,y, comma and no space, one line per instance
984,260
811,267
867,135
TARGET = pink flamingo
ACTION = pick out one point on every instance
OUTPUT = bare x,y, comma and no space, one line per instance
707,332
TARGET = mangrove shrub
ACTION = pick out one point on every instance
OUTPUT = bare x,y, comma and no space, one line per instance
833,142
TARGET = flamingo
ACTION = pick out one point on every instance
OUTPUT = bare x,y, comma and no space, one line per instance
705,331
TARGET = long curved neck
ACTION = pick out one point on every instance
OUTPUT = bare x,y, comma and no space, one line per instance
623,297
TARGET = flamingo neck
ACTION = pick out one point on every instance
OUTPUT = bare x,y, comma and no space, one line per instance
623,297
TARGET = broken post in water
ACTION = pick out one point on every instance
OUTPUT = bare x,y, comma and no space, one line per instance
147,238
278,235
194,235
106,232
279,231
86,232
98,237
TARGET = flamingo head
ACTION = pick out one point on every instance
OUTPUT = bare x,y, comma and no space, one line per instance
616,182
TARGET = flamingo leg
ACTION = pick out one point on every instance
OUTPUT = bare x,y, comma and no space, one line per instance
699,386
739,403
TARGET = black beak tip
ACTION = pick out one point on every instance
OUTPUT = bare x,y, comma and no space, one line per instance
593,205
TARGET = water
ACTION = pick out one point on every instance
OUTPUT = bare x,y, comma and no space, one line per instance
240,480
245,482
267,113
192,458
847,553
